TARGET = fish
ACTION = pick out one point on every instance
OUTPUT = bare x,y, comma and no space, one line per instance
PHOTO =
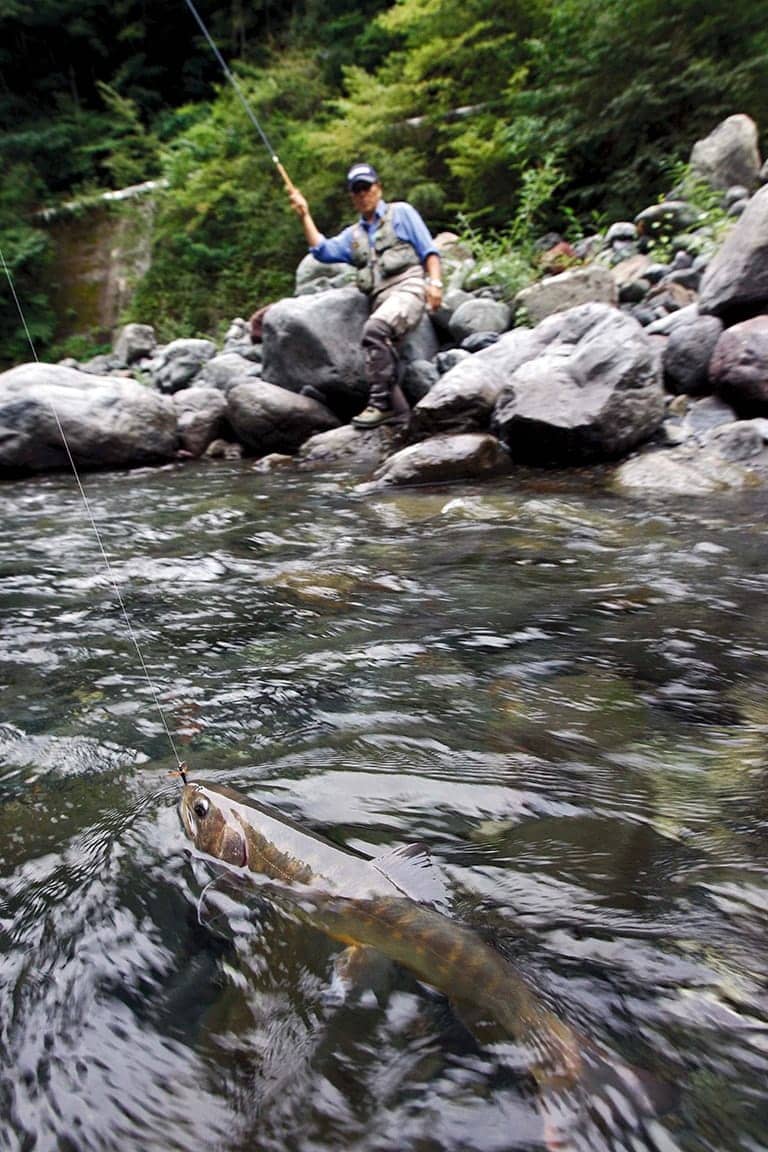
396,906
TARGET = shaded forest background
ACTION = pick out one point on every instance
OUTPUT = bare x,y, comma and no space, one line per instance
488,116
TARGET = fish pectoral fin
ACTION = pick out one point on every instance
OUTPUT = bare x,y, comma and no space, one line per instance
410,868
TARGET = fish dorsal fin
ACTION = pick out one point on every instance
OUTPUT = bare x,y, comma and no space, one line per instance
410,869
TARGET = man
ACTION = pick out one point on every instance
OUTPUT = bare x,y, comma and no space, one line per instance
398,267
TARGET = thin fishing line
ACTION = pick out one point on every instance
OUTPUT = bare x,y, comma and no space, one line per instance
249,110
110,572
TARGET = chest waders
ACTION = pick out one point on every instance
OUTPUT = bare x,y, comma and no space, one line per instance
382,266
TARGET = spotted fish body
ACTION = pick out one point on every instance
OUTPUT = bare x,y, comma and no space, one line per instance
365,903
352,900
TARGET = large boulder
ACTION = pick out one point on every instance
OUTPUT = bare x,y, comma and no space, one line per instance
569,289
468,456
738,369
108,422
735,284
463,399
594,394
266,418
729,155
315,341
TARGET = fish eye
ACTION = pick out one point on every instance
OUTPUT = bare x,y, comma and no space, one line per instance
200,807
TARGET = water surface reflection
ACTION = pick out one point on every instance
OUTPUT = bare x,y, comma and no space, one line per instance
562,693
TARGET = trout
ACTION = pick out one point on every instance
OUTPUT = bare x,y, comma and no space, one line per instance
391,904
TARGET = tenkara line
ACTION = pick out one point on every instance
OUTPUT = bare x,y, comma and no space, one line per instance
249,111
180,765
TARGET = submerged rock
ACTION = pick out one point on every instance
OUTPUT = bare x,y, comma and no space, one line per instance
469,456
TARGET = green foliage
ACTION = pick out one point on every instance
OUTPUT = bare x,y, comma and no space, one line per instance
507,257
225,239
459,103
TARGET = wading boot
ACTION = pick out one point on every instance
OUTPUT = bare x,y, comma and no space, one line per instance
372,417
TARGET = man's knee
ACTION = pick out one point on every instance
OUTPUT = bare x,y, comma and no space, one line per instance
377,333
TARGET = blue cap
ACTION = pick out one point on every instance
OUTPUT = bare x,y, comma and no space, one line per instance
362,172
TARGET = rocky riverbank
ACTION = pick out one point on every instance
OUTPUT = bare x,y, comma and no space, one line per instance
646,346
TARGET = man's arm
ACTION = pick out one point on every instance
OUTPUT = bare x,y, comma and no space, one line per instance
328,251
301,208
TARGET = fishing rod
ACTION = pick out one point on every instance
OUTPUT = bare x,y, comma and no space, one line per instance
180,764
249,110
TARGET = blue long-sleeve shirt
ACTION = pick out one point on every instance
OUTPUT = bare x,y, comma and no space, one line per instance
406,222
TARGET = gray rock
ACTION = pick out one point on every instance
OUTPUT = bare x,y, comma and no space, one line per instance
177,364
667,218
687,354
419,376
311,270
703,416
444,361
729,155
354,449
108,422
569,289
463,399
623,231
134,342
316,340
735,284
672,320
472,456
227,369
199,417
741,440
266,418
680,471
594,394
739,366
238,339
479,340
479,315
421,343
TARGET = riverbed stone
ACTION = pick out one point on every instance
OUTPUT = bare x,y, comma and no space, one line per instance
177,364
687,354
735,284
739,366
109,422
559,293
227,369
468,456
266,418
682,471
463,399
199,416
479,314
355,449
594,394
134,342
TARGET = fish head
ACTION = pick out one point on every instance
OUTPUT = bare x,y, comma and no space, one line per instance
210,823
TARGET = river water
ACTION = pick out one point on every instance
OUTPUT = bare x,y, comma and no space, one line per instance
564,693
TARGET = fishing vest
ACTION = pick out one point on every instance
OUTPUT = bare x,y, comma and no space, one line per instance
388,261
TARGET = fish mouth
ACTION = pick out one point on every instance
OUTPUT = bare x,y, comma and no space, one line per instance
188,821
